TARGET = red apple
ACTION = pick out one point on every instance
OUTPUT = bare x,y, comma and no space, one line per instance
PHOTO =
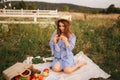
33,78
46,70
40,77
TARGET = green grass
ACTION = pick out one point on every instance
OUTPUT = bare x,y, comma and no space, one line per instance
98,38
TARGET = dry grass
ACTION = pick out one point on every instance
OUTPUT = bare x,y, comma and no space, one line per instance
83,16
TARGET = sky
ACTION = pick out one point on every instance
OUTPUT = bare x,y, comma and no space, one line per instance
87,3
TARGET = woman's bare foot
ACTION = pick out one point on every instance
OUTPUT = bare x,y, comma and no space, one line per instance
81,63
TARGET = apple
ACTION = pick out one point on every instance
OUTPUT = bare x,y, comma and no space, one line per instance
45,74
36,75
33,78
46,70
40,77
28,77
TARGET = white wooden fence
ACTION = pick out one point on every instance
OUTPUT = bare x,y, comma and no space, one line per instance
35,14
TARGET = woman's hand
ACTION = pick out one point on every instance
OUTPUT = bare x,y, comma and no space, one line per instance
55,39
65,39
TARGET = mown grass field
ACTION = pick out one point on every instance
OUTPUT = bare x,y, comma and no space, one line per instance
97,38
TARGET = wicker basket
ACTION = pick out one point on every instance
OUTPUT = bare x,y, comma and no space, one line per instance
15,70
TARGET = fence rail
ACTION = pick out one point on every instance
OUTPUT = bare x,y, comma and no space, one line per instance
35,14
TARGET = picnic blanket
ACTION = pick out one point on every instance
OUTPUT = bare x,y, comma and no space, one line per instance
91,70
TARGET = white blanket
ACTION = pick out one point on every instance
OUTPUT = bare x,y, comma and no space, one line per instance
91,70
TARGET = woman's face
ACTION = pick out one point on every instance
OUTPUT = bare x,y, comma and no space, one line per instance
61,26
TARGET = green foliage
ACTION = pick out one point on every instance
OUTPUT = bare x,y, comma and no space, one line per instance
21,5
101,44
24,5
66,8
31,6
111,9
37,61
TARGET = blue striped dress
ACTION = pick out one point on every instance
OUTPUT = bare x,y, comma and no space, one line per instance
62,53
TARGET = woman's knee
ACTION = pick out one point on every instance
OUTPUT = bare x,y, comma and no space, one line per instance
56,69
67,70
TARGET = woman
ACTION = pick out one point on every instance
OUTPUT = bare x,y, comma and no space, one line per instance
62,43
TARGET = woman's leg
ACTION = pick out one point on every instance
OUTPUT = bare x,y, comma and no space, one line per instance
56,67
70,69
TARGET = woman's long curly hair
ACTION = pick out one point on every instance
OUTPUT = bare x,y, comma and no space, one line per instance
67,24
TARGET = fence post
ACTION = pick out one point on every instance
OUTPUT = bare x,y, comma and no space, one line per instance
4,11
35,18
37,11
56,10
21,11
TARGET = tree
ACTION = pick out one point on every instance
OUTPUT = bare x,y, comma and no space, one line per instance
3,2
66,8
22,4
31,6
112,9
